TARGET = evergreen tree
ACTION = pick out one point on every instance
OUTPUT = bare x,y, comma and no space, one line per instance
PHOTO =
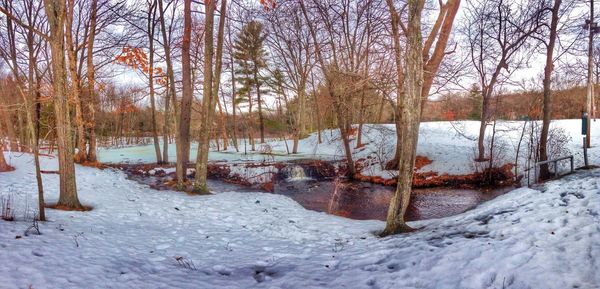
476,100
250,57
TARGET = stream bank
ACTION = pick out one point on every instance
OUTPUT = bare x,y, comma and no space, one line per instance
314,185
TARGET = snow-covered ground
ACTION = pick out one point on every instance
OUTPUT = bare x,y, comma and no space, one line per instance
548,237
450,145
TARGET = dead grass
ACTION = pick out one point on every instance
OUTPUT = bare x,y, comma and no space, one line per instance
421,161
95,164
7,212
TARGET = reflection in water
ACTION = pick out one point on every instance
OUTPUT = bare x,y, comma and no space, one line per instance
335,197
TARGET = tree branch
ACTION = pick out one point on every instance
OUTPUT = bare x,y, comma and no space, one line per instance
20,23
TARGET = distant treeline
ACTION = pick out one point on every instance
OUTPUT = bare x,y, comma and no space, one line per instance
567,104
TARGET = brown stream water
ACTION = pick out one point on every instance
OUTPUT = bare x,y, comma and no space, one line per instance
366,201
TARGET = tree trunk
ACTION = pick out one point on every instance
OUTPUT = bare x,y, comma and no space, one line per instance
260,114
393,164
351,170
32,93
91,75
295,128
210,90
482,126
440,35
544,172
3,165
300,125
302,107
170,84
204,143
223,127
250,124
153,108
167,120
34,131
317,112
34,136
22,133
233,96
411,116
81,156
55,11
361,120
151,27
183,140
441,29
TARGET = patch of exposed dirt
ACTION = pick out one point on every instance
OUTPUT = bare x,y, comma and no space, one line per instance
6,168
67,208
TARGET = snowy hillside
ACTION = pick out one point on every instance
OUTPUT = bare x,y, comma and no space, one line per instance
135,237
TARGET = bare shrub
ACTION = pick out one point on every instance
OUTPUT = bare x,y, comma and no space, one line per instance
266,149
498,148
558,141
185,263
34,228
7,211
76,238
383,151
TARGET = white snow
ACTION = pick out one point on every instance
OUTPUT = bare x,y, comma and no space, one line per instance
450,145
547,237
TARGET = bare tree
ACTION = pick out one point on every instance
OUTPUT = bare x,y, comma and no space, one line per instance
340,46
81,155
31,98
56,11
544,173
212,79
233,86
3,165
151,28
290,42
91,77
498,33
183,139
440,35
411,116
171,89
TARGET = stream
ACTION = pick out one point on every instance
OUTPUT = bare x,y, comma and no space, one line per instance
366,201
354,200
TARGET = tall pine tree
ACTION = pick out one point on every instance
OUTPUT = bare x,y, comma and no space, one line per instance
250,57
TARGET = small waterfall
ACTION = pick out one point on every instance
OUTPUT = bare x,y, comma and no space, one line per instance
296,173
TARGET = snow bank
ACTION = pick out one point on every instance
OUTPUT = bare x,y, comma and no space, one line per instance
450,145
543,238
